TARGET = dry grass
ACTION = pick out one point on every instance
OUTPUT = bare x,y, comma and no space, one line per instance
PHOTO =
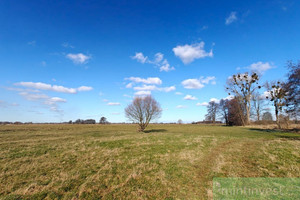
116,162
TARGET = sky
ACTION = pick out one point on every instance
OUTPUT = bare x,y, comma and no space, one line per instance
65,60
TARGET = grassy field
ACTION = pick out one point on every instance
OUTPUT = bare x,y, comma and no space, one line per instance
116,162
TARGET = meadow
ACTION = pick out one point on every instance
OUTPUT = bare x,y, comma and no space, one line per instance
116,162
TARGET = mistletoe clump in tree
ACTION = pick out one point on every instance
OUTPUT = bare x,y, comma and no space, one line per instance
243,86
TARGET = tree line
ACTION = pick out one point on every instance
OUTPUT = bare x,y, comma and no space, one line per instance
248,102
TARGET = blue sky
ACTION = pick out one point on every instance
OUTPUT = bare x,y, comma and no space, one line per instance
64,60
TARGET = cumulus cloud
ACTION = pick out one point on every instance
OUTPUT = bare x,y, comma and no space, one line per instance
51,102
260,67
84,88
180,106
149,80
55,88
113,103
198,83
158,61
214,100
192,84
188,53
202,104
153,87
207,80
167,89
140,57
231,18
142,93
79,58
145,87
165,66
178,93
189,97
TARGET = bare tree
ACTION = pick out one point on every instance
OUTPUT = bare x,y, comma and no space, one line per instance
103,120
179,121
292,86
258,102
142,110
236,112
243,86
212,111
223,110
276,94
267,116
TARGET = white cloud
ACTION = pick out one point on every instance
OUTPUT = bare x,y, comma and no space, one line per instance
150,80
140,57
192,84
207,80
178,93
84,88
202,104
231,18
158,60
188,53
105,100
189,97
113,104
146,87
51,102
129,85
260,67
167,89
79,58
158,57
153,87
230,97
142,93
180,106
55,88
215,100
165,66
58,99
198,83
33,97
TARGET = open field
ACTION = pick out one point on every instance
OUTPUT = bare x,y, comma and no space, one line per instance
116,162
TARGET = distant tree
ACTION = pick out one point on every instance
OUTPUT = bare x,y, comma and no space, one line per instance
179,121
223,110
267,116
276,94
292,87
70,122
243,86
236,113
89,121
258,102
103,120
212,111
78,121
142,110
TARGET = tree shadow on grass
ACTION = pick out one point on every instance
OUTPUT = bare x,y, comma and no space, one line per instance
155,130
291,134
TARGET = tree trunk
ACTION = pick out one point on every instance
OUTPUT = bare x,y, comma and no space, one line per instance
277,118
